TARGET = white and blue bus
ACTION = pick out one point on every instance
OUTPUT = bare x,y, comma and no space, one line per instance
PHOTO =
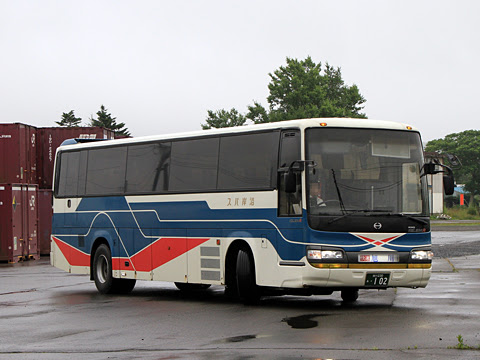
297,207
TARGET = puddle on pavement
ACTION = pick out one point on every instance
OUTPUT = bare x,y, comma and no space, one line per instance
302,321
242,338
80,298
24,314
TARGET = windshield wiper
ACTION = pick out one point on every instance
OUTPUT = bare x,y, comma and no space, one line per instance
383,212
340,200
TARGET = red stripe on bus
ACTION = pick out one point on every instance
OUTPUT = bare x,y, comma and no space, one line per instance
151,257
162,251
74,257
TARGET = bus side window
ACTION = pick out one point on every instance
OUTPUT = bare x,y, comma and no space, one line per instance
68,172
71,172
289,204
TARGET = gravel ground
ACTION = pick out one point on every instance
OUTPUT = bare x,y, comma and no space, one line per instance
449,244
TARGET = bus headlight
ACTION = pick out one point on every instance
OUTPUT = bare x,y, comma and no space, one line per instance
421,255
316,254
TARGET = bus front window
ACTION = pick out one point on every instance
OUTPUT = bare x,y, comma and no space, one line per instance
365,171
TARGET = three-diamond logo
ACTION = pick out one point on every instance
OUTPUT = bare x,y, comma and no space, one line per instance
378,240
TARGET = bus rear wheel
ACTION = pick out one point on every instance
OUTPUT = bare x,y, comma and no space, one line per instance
102,274
248,290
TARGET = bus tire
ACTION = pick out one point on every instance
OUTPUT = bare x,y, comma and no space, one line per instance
349,295
103,276
102,269
248,290
191,287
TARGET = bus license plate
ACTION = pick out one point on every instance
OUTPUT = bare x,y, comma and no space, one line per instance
373,258
377,280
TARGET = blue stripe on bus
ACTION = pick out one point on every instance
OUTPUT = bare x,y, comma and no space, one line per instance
111,217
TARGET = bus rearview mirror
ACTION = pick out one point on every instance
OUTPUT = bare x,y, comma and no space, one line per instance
448,184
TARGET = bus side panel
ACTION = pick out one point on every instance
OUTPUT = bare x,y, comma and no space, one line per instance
66,257
142,257
57,257
265,257
169,257
137,262
205,265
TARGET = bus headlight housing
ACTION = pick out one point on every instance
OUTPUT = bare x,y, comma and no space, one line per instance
324,254
321,254
421,255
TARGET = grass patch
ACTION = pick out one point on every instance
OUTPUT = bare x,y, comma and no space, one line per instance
462,213
458,224
462,346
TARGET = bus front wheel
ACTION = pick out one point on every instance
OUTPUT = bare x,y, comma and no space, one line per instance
349,295
248,290
102,274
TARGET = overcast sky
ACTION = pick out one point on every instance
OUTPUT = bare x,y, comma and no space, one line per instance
158,66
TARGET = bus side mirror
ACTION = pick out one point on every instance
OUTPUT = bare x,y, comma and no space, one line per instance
448,183
290,174
290,180
448,179
429,169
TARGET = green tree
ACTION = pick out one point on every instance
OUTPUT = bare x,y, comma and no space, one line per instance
466,146
69,120
301,89
257,113
105,119
222,118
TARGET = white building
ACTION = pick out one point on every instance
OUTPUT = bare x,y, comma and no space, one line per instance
435,185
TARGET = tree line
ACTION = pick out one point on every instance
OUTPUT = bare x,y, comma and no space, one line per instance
104,119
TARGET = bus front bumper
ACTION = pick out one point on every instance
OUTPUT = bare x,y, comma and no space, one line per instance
402,275
364,277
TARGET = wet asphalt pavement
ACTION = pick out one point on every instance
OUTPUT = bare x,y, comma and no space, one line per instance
48,314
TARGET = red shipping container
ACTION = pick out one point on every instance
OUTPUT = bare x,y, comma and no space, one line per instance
18,153
49,139
45,213
18,222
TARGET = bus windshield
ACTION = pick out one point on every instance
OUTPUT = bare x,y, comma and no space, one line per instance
365,171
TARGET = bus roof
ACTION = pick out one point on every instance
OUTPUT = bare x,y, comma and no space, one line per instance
300,124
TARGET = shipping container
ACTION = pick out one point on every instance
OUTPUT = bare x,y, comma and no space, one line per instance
45,213
18,153
18,222
50,138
